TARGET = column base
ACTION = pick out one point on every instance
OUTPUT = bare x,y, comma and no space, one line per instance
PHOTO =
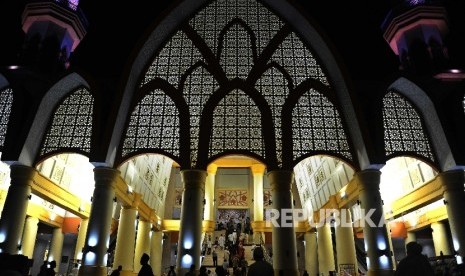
380,272
93,271
287,272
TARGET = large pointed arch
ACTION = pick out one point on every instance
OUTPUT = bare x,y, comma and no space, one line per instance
277,15
434,130
51,100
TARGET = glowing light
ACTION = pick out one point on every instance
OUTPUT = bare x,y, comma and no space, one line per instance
187,244
90,257
456,245
186,260
384,261
13,67
92,241
2,237
130,189
454,71
105,258
79,255
459,259
381,245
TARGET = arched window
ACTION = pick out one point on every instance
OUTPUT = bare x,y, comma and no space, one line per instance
6,101
240,41
154,124
403,128
71,124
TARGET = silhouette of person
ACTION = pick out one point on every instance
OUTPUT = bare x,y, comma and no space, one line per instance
305,273
146,269
116,271
51,270
43,269
171,272
415,263
260,267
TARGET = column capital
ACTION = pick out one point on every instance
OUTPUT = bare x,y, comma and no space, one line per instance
258,168
104,175
136,200
21,172
452,180
281,179
368,179
212,168
193,178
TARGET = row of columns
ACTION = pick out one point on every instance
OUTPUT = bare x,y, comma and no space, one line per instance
284,245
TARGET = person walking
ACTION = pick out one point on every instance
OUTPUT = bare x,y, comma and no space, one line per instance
215,257
146,269
260,267
415,263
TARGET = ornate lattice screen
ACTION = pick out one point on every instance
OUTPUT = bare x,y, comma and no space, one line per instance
317,126
6,101
71,126
224,41
154,124
403,129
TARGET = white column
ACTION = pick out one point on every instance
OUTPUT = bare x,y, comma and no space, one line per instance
56,246
98,231
81,239
376,237
283,238
452,183
440,239
190,231
142,242
311,253
325,250
411,237
156,252
258,171
124,250
210,193
29,236
15,208
345,243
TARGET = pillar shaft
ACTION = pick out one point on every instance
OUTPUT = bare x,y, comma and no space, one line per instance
142,242
190,231
311,253
81,239
325,250
345,243
156,252
210,193
411,237
375,232
283,238
98,231
15,208
56,246
440,239
29,236
454,195
124,251
258,171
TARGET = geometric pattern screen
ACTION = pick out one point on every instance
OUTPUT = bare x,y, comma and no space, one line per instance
403,129
6,101
71,125
225,41
317,126
154,124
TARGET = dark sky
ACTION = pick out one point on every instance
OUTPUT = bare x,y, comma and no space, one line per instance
116,28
